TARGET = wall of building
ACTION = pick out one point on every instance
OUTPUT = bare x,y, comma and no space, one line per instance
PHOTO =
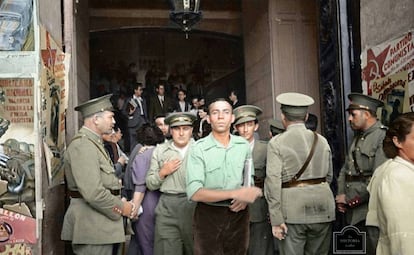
257,59
81,57
281,53
384,20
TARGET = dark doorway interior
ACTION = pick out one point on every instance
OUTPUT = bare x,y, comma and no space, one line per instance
206,64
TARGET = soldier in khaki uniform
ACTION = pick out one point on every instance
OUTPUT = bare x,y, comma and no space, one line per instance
364,156
93,221
298,173
246,123
276,127
174,213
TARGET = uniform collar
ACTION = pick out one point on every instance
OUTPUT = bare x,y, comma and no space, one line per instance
171,146
371,129
91,134
296,125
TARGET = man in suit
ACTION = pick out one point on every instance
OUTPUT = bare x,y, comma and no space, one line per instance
160,104
364,156
96,208
136,111
181,105
246,123
234,99
298,173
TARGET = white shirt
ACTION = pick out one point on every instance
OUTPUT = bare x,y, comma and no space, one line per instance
182,106
139,100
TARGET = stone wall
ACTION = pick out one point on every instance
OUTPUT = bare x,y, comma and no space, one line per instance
384,20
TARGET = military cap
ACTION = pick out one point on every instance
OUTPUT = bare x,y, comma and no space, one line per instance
363,102
295,104
95,105
277,124
246,113
180,119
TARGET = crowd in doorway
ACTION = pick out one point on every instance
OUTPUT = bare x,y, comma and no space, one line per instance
160,91
198,179
119,79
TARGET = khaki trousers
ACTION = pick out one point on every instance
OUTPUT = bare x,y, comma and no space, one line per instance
173,225
307,239
93,249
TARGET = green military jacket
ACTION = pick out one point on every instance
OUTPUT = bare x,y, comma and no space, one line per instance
367,147
258,210
88,170
173,183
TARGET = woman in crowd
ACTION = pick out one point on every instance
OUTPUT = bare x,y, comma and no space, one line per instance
201,126
148,137
391,194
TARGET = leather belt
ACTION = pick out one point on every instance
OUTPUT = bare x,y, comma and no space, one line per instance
259,182
303,183
76,194
356,178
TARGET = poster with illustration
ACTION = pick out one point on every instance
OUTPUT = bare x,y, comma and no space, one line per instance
17,139
392,90
16,25
385,67
54,87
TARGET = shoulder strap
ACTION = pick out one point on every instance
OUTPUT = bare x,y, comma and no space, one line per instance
305,165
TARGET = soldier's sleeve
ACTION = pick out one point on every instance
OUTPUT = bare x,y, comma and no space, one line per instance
153,179
329,176
379,154
86,170
341,177
273,184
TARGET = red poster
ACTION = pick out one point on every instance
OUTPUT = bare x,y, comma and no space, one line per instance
388,72
16,228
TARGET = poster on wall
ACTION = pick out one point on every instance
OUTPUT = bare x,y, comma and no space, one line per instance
17,233
391,90
17,171
16,228
54,104
16,25
388,74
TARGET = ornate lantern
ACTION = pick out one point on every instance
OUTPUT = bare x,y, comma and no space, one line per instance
185,13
